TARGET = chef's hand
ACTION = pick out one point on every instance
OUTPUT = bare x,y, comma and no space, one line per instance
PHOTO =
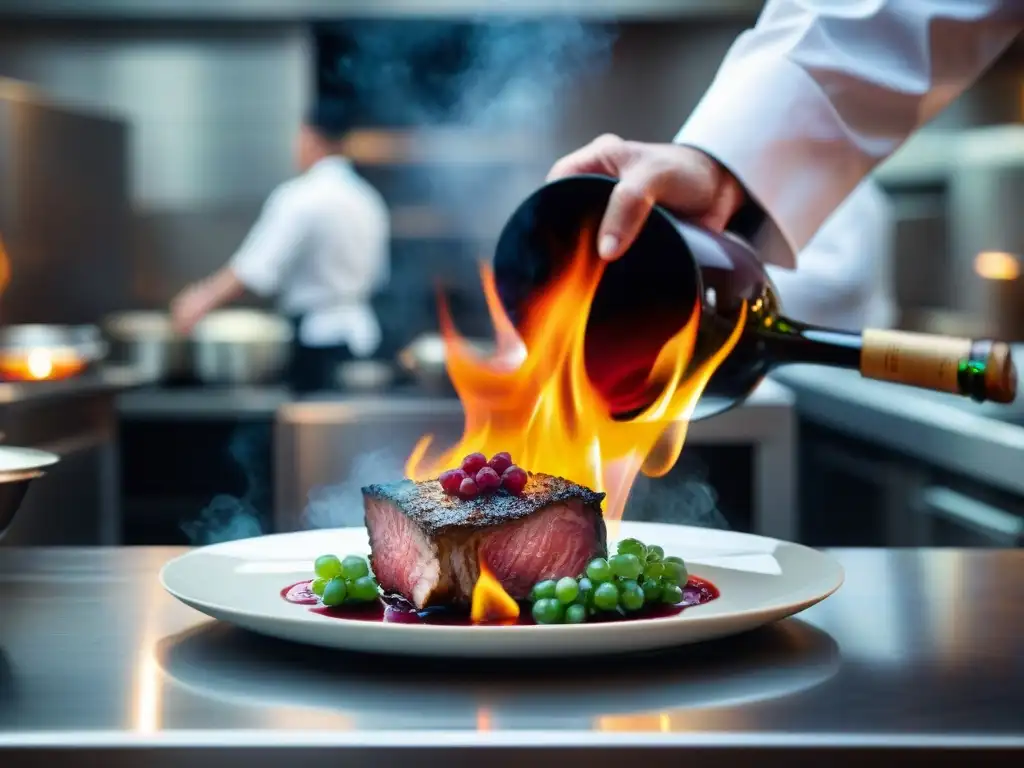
200,299
681,179
189,307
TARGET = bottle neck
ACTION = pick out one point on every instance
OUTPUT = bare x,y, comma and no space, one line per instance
789,342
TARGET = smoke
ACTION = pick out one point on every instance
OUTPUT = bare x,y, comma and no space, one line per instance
341,505
683,497
500,80
227,517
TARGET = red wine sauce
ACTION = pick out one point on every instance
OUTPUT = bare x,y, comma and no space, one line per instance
397,611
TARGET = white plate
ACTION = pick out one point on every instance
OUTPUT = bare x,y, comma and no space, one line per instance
761,580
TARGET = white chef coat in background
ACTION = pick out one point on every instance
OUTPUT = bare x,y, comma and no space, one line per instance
819,92
843,278
321,245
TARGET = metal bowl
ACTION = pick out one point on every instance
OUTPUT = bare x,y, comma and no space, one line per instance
240,346
425,359
18,468
147,342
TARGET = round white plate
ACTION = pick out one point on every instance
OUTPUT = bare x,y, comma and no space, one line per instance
761,580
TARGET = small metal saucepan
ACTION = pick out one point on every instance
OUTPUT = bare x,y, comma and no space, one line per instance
425,360
241,346
44,352
147,342
18,468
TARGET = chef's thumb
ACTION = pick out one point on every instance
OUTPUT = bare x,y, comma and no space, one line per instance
628,208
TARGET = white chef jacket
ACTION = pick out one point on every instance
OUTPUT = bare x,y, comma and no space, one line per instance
844,275
322,245
819,92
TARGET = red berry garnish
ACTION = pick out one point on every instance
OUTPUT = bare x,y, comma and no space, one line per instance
451,480
468,488
514,480
474,463
487,480
500,462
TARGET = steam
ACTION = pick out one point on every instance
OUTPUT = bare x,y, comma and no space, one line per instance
341,505
502,80
227,518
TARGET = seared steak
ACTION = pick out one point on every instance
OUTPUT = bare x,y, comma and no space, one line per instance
425,544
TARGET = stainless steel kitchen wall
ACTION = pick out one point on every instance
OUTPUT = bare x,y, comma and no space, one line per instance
213,109
64,209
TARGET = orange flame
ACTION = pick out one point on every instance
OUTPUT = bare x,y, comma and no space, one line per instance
491,603
545,411
5,267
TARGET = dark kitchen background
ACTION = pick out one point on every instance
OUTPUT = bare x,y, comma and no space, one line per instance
138,142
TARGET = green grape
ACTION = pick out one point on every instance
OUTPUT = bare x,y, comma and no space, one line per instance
575,614
672,594
675,572
655,554
654,571
586,595
633,547
318,585
335,592
606,596
626,566
363,589
599,571
567,590
543,590
327,567
652,590
547,611
354,567
632,596
673,559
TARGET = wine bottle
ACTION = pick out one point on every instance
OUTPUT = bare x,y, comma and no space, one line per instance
650,293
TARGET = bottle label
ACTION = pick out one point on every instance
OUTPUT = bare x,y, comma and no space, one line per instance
914,359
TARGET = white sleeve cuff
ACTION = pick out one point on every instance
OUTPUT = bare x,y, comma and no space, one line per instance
768,122
258,278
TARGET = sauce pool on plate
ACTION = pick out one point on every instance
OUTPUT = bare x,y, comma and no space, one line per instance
396,611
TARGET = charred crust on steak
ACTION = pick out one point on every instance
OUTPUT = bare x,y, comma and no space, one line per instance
434,511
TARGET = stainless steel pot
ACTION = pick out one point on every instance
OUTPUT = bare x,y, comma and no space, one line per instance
425,360
18,468
241,346
147,342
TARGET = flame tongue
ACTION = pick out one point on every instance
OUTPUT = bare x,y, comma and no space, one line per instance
547,413
491,603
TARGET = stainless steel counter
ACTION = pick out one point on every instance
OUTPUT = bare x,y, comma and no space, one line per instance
944,430
920,651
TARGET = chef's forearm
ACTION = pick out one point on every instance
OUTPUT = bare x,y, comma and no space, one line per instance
808,102
220,288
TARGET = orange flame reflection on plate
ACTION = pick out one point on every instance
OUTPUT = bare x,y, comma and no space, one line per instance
546,412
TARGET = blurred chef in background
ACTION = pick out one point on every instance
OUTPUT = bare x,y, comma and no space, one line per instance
321,246
843,277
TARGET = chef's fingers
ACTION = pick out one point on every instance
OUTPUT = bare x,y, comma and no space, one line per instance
630,204
599,156
727,199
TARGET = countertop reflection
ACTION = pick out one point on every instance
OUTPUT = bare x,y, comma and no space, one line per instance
917,648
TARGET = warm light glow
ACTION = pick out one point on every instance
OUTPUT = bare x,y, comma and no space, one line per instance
491,603
40,365
5,267
997,265
546,412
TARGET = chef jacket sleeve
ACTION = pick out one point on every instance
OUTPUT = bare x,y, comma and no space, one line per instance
845,266
274,242
819,92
